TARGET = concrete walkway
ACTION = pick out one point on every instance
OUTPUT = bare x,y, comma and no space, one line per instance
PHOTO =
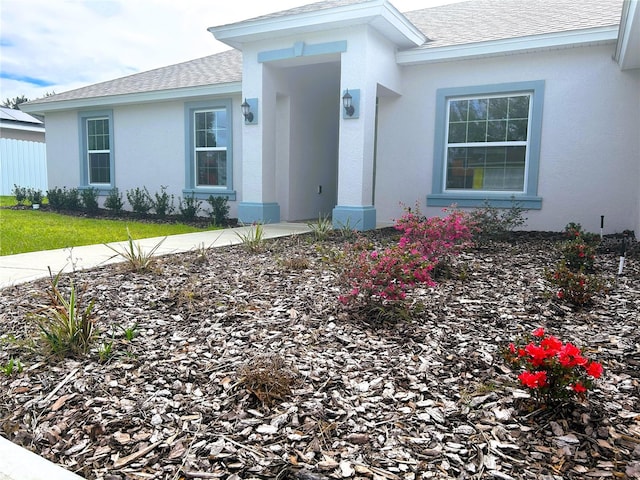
17,463
24,267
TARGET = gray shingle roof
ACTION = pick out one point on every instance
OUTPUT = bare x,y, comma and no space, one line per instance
224,67
485,20
447,25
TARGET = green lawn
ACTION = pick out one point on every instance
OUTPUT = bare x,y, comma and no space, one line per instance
33,230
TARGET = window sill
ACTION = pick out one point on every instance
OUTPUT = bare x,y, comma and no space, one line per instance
204,193
479,200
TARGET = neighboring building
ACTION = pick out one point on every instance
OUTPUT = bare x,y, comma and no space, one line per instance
23,159
537,100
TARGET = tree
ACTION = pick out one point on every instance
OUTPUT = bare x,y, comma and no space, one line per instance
14,102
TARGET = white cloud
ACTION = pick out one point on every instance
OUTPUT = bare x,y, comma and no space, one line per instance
65,44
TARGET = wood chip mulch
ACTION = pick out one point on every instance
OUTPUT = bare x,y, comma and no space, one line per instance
191,396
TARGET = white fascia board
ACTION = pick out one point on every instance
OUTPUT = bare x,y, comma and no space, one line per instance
493,48
128,99
24,128
628,47
380,14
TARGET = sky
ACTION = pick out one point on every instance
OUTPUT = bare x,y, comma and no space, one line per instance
59,45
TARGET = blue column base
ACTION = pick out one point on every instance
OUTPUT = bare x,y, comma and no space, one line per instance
356,218
254,212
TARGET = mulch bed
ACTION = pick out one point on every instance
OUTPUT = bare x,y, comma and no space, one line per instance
423,398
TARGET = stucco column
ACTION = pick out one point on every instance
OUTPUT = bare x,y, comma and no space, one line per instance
258,146
355,164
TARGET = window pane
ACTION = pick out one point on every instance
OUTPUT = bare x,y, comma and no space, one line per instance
457,133
497,131
517,131
519,107
458,110
99,169
486,168
478,109
498,108
211,168
477,132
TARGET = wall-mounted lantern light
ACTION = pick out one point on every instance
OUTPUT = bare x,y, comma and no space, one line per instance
246,111
351,104
347,103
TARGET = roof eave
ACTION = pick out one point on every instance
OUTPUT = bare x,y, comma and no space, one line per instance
131,98
628,43
380,14
509,46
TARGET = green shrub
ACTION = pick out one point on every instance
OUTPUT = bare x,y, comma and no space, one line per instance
63,199
20,193
579,255
219,210
56,196
89,197
575,287
163,203
494,223
35,196
140,200
114,200
189,207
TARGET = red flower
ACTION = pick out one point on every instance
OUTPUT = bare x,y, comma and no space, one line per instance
512,348
538,332
552,344
570,356
594,369
579,388
537,354
533,379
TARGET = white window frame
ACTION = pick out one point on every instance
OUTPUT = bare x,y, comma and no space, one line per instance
207,149
505,143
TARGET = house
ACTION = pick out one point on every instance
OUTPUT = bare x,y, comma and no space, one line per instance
348,107
22,151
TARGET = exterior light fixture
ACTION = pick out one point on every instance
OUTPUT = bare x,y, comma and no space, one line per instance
246,111
347,103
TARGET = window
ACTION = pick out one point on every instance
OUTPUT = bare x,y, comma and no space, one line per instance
209,149
487,145
96,149
99,150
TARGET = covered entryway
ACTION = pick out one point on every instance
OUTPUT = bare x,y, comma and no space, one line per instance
306,138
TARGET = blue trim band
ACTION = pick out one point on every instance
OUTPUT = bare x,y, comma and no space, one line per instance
357,218
300,49
255,212
203,194
479,200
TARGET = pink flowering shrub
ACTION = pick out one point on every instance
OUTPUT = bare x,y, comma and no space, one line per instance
552,370
384,277
436,238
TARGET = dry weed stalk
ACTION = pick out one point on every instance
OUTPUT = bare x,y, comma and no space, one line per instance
267,377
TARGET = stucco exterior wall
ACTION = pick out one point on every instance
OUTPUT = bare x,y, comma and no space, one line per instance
590,148
149,149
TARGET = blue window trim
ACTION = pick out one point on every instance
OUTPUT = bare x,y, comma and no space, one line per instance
103,189
190,188
529,198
